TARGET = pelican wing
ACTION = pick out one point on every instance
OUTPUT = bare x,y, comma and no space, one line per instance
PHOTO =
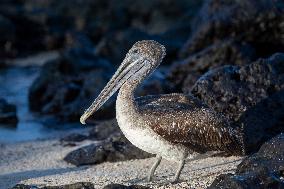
183,119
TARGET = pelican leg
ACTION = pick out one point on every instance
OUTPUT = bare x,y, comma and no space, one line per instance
154,167
180,167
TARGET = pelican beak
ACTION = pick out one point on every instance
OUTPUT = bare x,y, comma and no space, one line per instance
128,68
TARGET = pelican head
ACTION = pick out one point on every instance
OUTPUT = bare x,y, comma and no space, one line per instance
140,61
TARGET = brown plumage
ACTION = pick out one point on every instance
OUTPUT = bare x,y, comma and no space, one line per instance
184,119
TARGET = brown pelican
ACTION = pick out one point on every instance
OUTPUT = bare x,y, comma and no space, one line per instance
172,126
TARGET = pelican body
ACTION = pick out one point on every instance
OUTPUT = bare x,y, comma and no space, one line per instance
172,126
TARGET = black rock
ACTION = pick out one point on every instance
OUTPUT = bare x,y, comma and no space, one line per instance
270,156
262,170
183,74
68,85
21,34
262,121
129,14
114,148
40,27
115,45
120,186
8,113
30,27
258,23
233,90
79,185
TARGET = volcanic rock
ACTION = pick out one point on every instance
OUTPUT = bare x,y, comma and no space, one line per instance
262,121
67,85
183,74
261,170
232,90
113,149
115,45
258,23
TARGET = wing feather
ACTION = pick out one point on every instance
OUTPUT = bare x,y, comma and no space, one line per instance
183,119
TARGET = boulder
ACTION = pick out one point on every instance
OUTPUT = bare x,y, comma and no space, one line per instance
116,148
258,23
232,90
30,27
20,34
261,170
262,121
270,155
183,74
129,14
116,44
221,36
8,113
68,85
112,149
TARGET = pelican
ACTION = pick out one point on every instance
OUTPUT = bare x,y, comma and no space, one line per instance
171,126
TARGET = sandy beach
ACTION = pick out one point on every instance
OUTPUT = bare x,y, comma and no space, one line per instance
40,163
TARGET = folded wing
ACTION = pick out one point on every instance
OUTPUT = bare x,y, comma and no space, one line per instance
183,119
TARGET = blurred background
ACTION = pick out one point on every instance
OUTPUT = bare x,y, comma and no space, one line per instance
56,56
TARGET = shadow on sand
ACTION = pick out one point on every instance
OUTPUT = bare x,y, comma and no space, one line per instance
11,179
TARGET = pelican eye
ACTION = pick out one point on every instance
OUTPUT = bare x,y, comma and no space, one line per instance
135,51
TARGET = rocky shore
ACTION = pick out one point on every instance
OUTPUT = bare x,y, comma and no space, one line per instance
228,54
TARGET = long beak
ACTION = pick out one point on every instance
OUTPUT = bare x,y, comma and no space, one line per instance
128,68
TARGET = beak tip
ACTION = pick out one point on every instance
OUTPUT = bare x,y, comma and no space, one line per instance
83,120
